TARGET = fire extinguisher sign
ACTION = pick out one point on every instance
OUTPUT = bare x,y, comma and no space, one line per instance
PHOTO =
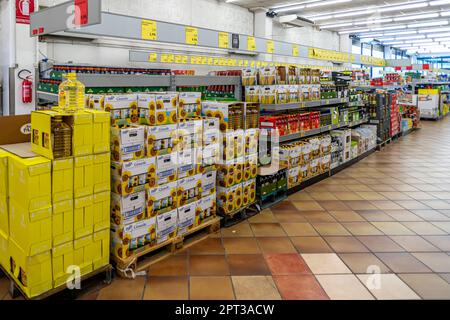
23,10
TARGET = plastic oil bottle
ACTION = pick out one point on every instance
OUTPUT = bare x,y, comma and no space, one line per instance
71,94
61,138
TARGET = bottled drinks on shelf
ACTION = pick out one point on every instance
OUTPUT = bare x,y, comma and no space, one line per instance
61,138
71,94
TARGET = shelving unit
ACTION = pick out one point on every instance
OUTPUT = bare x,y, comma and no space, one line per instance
302,105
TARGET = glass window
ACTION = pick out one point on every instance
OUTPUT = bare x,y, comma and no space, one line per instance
366,49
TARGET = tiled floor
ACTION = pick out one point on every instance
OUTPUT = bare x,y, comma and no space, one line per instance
377,230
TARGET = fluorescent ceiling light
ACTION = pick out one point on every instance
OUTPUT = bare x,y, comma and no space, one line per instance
410,37
289,8
353,31
374,21
403,7
399,33
322,18
434,30
393,42
445,14
439,35
387,39
389,28
325,3
336,25
353,13
428,24
421,41
372,36
286,5
442,39
417,16
439,2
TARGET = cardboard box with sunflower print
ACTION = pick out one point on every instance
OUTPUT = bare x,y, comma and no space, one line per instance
189,105
161,140
166,168
250,167
189,190
166,226
158,109
128,209
206,208
126,240
230,173
249,192
190,133
186,217
229,199
162,199
123,109
251,141
133,176
230,114
127,143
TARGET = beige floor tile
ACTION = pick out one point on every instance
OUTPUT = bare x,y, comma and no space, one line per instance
436,261
387,287
255,288
344,287
325,263
361,263
403,215
386,205
362,229
347,195
441,242
428,286
330,229
322,195
346,216
211,288
307,205
299,229
424,228
414,243
371,195
443,225
393,228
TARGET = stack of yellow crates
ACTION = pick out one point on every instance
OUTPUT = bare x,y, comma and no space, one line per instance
58,207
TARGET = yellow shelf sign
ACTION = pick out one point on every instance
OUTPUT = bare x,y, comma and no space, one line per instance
191,36
149,30
270,46
223,40
295,51
251,43
184,59
153,57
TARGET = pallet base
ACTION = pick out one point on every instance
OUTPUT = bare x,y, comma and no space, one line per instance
129,268
272,199
240,215
15,291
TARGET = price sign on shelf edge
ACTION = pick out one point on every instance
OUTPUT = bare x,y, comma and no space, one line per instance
191,36
149,30
223,40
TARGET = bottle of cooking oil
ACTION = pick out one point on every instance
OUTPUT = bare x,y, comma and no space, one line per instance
71,94
61,138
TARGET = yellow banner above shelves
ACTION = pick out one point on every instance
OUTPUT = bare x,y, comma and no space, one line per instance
270,46
191,36
251,43
149,30
295,51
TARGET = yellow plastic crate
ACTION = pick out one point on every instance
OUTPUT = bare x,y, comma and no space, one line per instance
4,250
84,254
101,249
4,215
83,181
82,132
31,230
62,258
101,130
4,173
62,219
62,180
30,182
102,211
102,171
32,273
83,222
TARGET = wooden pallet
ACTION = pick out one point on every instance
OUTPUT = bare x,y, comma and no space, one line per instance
15,290
142,260
233,218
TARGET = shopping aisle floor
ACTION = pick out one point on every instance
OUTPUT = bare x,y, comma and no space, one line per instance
390,213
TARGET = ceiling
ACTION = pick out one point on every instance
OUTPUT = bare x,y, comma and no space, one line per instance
414,25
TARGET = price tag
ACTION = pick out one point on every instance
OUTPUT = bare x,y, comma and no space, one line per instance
295,51
216,61
204,60
210,61
164,58
270,46
252,64
191,35
149,30
241,63
153,57
170,58
184,59
251,43
177,59
192,60
223,40
246,63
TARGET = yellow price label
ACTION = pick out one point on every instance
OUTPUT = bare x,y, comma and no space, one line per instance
164,58
295,50
184,59
153,57
253,64
246,63
204,60
210,61
270,46
149,30
191,35
177,59
216,61
223,40
251,43
170,58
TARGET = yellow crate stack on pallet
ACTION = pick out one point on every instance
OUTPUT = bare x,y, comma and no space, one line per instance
54,210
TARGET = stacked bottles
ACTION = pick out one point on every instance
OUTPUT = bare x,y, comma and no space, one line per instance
71,94
62,138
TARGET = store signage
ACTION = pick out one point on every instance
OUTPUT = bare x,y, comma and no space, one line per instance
191,36
23,10
235,41
270,46
81,12
295,51
223,40
408,67
426,66
149,30
398,68
251,43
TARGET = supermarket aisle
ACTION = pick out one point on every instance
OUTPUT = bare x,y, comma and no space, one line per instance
390,212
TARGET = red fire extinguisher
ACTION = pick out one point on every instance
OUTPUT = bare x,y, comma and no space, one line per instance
27,86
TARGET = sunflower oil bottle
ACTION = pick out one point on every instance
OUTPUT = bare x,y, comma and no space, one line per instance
62,138
71,94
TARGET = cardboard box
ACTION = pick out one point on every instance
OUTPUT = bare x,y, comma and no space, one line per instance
133,176
127,143
228,146
251,141
82,132
294,177
250,167
161,140
62,222
4,215
162,199
4,173
101,131
187,163
158,109
128,209
229,199
186,218
249,77
190,134
166,168
249,192
101,248
211,131
62,259
230,173
314,167
102,170
206,208
62,180
83,222
189,190
325,163
83,180
252,94
239,143
123,109
210,157
189,105
96,102
166,226
230,114
83,254
102,211
32,272
209,183
4,250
